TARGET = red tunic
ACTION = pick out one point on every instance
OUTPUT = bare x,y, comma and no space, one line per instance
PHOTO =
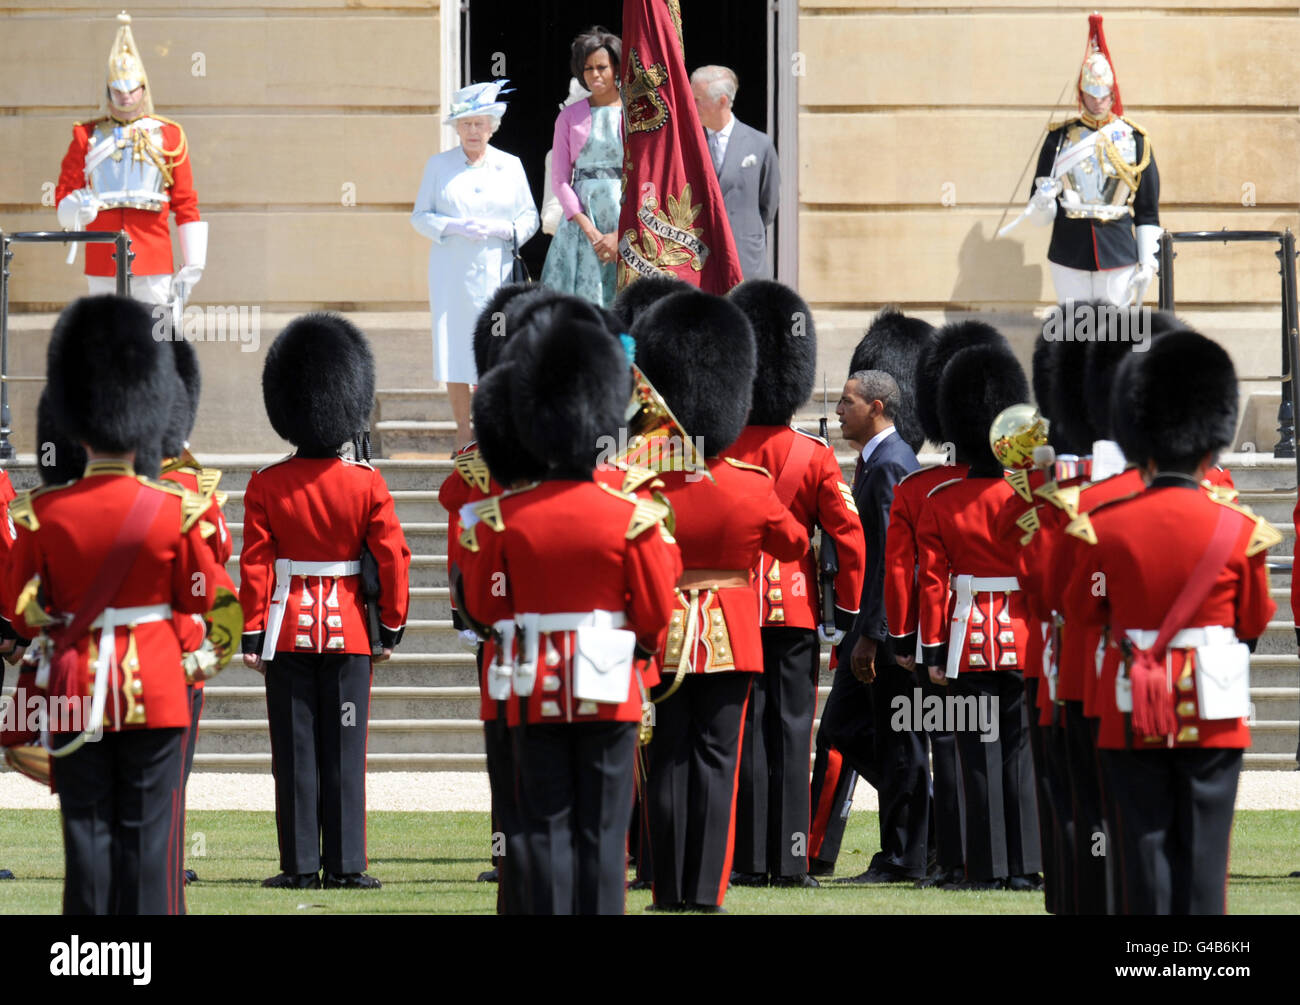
901,586
65,534
190,629
1147,548
957,536
723,527
150,237
821,498
571,547
321,509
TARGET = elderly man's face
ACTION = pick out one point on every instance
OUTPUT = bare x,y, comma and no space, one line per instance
712,110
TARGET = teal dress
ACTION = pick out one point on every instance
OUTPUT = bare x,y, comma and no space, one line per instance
571,263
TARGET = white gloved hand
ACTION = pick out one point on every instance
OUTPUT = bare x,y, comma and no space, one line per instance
183,282
1137,286
1148,243
468,639
502,230
833,639
77,210
1042,205
471,230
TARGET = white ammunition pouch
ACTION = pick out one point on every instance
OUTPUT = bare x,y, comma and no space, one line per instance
602,657
1222,667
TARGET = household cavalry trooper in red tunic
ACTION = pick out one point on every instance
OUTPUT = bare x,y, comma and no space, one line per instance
974,637
322,550
100,565
773,810
125,170
1176,578
698,351
576,580
1097,184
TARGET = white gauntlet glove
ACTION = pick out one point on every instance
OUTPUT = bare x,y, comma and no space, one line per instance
194,253
1042,206
77,210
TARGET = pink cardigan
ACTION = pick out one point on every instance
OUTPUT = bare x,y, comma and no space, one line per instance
572,128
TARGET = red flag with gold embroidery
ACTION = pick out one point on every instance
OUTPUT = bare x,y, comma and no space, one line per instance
673,219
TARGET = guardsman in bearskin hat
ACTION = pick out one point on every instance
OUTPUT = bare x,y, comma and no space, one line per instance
180,466
850,740
313,521
981,624
773,810
1097,184
126,170
698,351
1177,577
575,579
101,564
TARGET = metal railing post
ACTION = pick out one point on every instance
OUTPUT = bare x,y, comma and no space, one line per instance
1166,273
1290,349
7,452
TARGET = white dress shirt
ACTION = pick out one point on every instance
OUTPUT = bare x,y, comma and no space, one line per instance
874,442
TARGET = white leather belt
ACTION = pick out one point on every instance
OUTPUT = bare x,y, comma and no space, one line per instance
966,587
109,620
285,570
1188,638
571,622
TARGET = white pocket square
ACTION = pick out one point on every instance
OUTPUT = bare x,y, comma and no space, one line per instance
749,161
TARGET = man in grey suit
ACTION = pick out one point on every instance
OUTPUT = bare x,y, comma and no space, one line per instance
745,161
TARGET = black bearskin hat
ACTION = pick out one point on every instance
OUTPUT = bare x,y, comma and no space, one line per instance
635,299
1176,402
977,384
935,354
698,351
494,429
110,382
185,402
786,347
490,328
1109,352
893,343
319,383
59,458
570,388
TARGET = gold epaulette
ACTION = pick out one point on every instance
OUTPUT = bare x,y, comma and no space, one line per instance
649,513
22,512
1062,498
1134,124
209,479
1262,537
1224,493
471,467
486,511
636,476
747,467
1029,523
1018,479
193,505
1081,527
1053,126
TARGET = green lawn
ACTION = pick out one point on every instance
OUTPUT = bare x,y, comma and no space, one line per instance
428,862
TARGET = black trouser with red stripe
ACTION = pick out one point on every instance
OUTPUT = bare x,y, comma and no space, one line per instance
1090,847
508,842
833,782
575,794
319,710
997,776
773,810
1049,827
122,809
1175,822
691,789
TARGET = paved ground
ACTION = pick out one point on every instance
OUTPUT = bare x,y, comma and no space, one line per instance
468,790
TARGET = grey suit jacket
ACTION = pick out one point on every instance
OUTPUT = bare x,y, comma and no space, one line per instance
751,189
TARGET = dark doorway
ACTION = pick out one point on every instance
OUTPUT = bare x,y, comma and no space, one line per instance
529,43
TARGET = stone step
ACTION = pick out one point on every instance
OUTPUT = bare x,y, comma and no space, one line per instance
386,702
404,403
384,736
260,762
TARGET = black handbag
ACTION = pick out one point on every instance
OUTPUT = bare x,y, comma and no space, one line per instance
518,269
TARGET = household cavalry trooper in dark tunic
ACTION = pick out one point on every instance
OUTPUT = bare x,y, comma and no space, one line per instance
316,523
1097,184
698,351
575,580
773,811
1184,597
100,566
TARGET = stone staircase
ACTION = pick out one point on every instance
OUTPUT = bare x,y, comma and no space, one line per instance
424,703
